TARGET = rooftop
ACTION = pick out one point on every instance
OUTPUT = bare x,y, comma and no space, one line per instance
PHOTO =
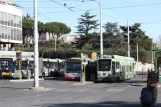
8,2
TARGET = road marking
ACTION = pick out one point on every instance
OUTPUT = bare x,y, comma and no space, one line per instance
62,90
115,90
81,90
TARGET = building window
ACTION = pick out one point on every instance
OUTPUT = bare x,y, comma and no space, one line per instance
11,34
2,35
11,22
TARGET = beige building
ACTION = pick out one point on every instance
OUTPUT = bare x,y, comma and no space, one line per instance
69,38
44,37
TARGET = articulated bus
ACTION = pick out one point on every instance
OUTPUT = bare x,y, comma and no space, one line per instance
113,68
9,67
73,68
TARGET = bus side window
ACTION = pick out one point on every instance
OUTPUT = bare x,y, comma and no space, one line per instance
113,67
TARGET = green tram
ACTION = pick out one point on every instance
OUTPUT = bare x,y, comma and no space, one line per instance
111,68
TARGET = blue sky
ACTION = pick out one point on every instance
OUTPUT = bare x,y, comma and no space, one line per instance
143,11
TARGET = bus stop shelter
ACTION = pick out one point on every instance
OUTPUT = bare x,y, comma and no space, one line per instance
157,62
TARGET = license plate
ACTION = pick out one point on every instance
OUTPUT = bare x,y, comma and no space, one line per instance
5,73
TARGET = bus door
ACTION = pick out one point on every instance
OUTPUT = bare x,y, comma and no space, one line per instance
113,68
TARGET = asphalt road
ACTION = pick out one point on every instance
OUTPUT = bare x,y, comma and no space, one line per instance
65,94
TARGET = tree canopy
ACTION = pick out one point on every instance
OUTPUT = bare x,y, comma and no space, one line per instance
56,28
86,23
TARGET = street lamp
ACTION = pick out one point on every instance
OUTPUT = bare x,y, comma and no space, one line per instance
36,54
101,38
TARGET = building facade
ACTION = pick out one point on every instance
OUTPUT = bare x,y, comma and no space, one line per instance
69,38
10,24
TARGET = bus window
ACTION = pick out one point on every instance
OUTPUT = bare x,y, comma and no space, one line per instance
73,66
6,65
113,68
104,64
117,65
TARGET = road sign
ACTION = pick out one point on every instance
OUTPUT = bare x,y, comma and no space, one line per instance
94,56
83,57
18,55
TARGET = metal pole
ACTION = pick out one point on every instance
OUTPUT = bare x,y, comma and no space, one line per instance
19,70
84,73
55,43
101,38
36,54
152,51
128,39
137,57
142,73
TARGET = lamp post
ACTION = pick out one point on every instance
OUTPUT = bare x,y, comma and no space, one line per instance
101,38
128,39
36,54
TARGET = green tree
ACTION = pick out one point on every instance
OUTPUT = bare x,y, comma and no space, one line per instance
111,29
86,23
41,27
57,28
135,31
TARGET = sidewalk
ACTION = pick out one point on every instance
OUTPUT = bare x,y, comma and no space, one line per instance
24,80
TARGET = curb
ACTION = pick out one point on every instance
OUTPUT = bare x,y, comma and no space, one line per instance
25,80
159,85
80,83
39,89
139,84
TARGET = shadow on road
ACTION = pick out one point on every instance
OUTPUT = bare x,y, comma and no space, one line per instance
12,88
59,79
100,104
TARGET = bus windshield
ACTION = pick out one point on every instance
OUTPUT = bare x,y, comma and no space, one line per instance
6,64
104,64
73,66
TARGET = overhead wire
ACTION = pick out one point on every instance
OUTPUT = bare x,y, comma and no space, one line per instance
75,7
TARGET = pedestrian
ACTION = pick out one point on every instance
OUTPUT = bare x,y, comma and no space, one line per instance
152,83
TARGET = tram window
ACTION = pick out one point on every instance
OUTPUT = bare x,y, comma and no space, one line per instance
113,65
130,68
117,65
123,68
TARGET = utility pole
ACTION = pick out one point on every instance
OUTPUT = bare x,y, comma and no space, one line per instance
36,54
101,38
137,57
152,51
55,42
128,39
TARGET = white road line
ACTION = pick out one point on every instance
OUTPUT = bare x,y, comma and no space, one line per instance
62,90
115,90
81,90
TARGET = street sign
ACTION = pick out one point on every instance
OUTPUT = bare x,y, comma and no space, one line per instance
94,56
18,55
83,57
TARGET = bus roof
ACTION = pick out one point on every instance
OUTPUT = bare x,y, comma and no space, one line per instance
79,58
116,57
